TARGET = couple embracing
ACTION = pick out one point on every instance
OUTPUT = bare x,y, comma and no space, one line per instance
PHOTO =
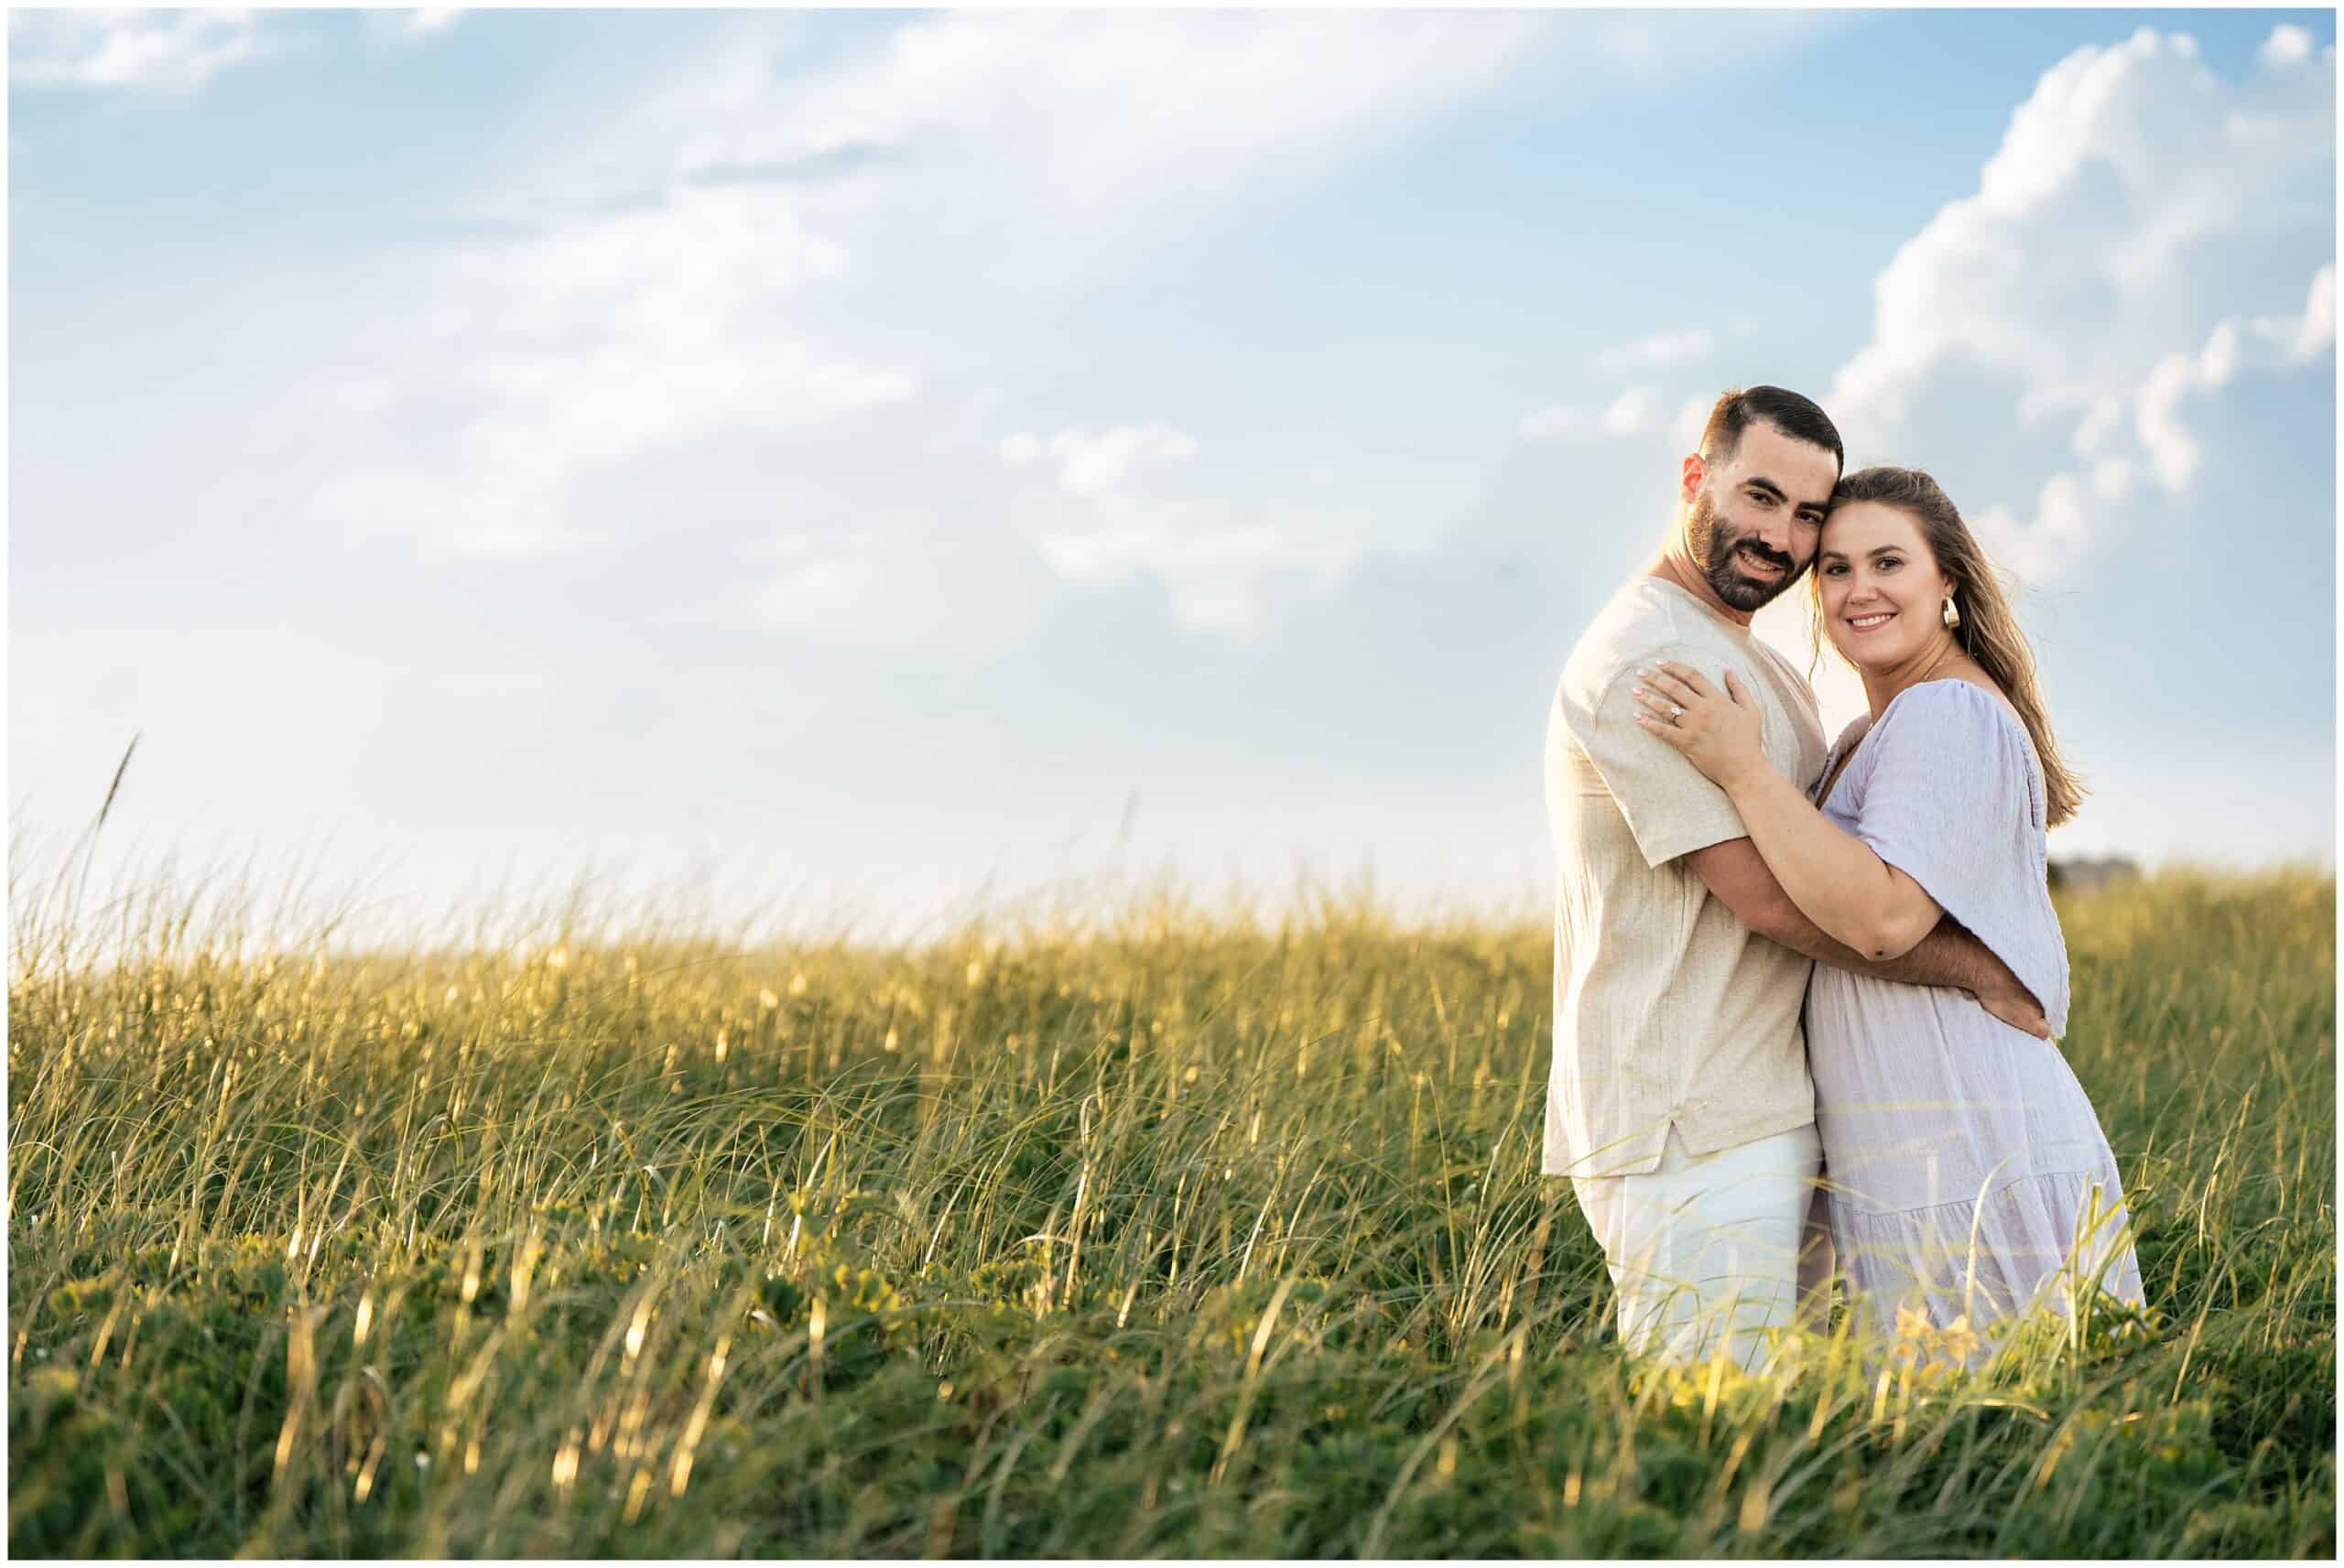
1805,994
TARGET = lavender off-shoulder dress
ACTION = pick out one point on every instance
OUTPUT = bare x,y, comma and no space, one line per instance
1960,1153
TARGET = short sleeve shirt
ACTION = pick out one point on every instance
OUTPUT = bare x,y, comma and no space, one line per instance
1668,1010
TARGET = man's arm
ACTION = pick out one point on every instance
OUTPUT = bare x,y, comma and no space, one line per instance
1947,956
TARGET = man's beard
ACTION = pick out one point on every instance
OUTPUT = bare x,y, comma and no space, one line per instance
1719,552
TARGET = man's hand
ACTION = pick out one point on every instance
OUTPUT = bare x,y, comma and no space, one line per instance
2017,1006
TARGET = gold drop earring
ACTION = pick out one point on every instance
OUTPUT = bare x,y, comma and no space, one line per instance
1952,616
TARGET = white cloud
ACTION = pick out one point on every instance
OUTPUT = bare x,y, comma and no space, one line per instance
2300,337
1096,529
1169,102
1664,348
1637,409
1214,559
2173,456
2288,45
426,20
1549,423
692,298
1090,464
2036,549
683,318
163,50
1632,412
1172,102
2124,255
1175,109
2261,342
2105,415
607,338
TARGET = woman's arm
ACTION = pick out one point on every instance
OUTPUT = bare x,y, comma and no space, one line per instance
1835,878
1850,893
1736,875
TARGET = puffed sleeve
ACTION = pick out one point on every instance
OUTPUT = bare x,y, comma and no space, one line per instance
1952,802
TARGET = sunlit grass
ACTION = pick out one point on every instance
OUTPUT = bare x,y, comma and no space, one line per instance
1171,1234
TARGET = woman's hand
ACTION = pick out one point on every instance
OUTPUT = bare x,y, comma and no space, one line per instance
1718,731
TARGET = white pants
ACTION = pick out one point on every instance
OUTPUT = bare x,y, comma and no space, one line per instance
1710,1250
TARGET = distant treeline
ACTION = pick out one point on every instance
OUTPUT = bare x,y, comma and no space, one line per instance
2082,873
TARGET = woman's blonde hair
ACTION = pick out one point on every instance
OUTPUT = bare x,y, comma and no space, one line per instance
1989,632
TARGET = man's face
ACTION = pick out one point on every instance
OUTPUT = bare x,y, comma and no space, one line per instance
1756,515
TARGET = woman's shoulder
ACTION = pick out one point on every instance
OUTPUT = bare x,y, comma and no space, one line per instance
1939,721
1961,701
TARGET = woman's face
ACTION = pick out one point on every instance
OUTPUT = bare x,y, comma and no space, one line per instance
1882,595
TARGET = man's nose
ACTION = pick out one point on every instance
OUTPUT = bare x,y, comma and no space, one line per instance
1774,532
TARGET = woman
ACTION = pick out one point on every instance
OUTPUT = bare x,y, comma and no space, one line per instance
1965,1161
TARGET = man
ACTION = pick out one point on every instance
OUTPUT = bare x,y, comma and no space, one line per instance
1679,1101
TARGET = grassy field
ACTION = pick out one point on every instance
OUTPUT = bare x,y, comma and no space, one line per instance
1177,1236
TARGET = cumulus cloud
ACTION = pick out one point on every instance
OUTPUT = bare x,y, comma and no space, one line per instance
683,287
1090,464
162,50
2259,343
654,298
2037,547
2140,240
2288,45
607,337
1661,348
2302,338
1174,103
1216,560
1632,412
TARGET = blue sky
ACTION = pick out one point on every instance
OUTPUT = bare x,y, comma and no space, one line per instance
873,458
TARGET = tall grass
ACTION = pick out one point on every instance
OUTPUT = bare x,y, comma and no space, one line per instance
1158,1234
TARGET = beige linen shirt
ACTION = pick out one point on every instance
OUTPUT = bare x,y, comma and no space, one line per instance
1668,1010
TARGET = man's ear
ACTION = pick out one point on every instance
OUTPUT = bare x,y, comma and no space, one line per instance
1689,480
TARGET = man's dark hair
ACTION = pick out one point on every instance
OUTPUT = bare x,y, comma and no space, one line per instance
1794,416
